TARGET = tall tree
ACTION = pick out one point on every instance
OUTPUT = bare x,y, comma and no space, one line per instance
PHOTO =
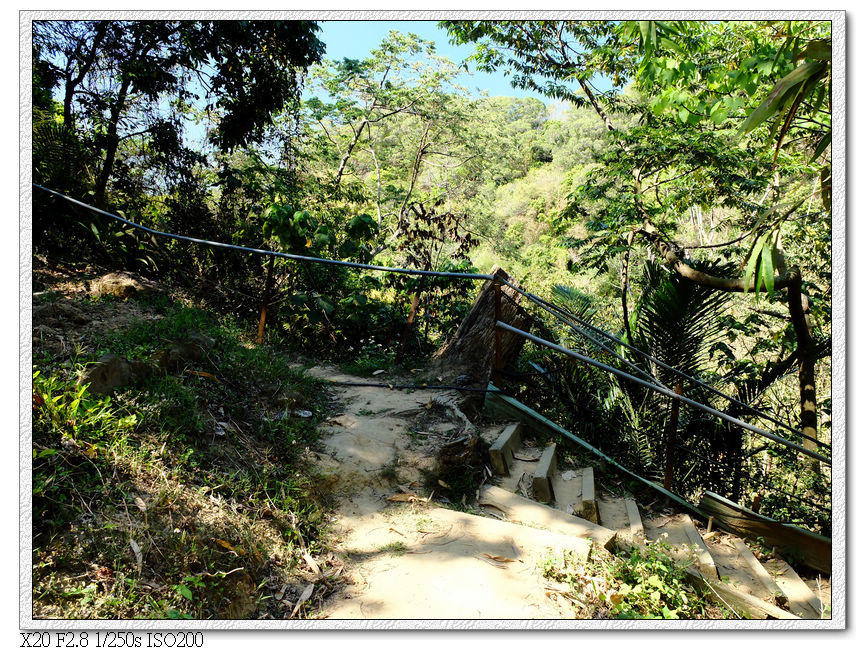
122,79
709,83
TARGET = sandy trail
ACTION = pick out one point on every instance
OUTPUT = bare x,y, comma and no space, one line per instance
415,560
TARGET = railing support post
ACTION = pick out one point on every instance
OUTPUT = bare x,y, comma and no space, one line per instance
497,334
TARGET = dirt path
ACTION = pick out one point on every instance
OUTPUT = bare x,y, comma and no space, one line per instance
414,560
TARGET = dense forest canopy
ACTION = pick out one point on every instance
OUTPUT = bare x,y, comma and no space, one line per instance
686,209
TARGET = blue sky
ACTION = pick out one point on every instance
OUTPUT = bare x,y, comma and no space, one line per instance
352,39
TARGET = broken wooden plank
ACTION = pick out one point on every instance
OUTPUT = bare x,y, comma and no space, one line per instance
758,570
812,549
590,505
636,523
502,450
732,597
541,484
724,594
733,569
704,559
520,509
800,599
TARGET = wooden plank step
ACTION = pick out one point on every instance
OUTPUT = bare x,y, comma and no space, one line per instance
613,514
634,520
757,569
569,493
733,568
815,550
515,508
541,483
590,505
502,450
682,536
705,563
803,602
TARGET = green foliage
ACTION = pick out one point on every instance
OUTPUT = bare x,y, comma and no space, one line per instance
644,583
190,461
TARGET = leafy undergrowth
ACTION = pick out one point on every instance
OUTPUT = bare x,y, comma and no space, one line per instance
643,583
183,496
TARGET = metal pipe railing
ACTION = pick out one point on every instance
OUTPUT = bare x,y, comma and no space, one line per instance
550,307
664,391
259,251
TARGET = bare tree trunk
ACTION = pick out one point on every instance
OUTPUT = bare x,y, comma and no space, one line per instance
672,428
113,142
83,70
626,260
470,351
805,346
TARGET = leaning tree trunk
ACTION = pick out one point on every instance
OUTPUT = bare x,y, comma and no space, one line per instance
471,350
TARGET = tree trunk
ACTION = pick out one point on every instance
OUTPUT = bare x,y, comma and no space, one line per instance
113,141
799,313
672,428
84,69
471,350
626,259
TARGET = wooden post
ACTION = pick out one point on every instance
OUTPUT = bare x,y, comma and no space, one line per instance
268,282
497,355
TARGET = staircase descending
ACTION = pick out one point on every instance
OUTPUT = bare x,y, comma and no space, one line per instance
534,491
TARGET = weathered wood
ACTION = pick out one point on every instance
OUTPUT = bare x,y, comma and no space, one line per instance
637,532
541,482
704,559
502,450
590,505
727,595
613,514
724,594
471,350
680,536
758,570
569,496
734,570
793,542
800,599
502,406
519,509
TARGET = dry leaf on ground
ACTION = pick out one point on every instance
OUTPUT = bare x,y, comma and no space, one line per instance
403,497
307,593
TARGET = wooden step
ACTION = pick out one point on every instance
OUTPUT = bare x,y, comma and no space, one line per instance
501,503
613,514
814,550
636,523
685,541
590,504
621,515
800,599
759,571
568,493
502,538
734,568
502,450
541,483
